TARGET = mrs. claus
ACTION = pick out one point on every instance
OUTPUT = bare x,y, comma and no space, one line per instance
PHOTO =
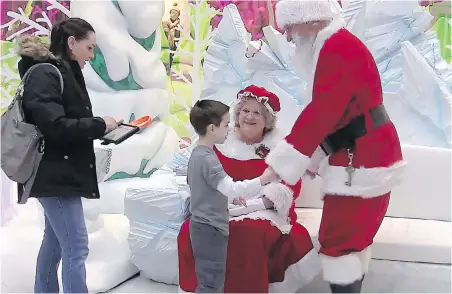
268,250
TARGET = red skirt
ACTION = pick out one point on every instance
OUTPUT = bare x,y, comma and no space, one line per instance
258,254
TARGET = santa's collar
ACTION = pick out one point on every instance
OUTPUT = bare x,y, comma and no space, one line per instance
333,27
236,149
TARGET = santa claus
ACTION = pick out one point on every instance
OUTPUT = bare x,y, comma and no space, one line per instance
344,134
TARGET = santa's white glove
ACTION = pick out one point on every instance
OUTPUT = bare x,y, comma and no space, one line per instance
281,196
251,206
309,174
318,160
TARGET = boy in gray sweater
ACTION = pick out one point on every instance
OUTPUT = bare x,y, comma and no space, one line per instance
211,190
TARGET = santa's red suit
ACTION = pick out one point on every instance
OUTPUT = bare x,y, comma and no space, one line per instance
266,253
345,86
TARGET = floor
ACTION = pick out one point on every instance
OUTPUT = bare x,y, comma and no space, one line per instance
384,277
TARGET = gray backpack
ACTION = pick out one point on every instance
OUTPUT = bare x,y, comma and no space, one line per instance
22,143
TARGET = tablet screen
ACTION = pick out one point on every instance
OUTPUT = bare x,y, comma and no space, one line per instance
119,132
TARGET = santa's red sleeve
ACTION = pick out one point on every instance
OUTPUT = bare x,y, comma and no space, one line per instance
333,88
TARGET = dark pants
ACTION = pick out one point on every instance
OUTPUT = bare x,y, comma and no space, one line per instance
66,238
210,252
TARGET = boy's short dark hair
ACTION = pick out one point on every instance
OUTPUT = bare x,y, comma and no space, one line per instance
205,113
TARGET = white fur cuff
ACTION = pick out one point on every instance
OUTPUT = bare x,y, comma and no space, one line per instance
365,256
287,162
341,270
281,196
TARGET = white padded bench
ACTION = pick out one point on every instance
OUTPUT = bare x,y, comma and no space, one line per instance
399,239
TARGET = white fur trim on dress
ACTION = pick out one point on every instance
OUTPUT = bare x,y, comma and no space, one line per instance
366,182
290,12
236,149
341,270
298,274
287,162
281,223
281,196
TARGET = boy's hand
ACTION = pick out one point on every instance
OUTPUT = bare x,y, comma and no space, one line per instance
239,201
268,176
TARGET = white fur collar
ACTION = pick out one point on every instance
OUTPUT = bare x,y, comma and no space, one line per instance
334,26
236,149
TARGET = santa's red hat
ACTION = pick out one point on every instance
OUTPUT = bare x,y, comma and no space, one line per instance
269,99
289,12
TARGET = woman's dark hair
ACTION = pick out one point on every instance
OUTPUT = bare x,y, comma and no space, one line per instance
76,27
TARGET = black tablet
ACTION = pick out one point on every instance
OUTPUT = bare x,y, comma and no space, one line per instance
121,133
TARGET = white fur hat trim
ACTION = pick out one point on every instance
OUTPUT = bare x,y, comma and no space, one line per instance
290,12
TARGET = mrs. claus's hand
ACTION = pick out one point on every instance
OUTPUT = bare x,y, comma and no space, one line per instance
310,174
269,176
239,201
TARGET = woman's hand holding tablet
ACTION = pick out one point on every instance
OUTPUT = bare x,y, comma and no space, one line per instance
120,134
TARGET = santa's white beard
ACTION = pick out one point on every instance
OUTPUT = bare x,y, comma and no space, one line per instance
304,53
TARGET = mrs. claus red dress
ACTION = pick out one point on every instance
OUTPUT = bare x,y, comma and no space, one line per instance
265,253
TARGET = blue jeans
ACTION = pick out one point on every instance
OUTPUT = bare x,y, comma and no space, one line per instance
66,238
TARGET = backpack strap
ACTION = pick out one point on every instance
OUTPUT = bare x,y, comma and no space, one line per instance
29,71
20,89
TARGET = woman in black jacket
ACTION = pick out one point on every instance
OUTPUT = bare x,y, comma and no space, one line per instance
67,171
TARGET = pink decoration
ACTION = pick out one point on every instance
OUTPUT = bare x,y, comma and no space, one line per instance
54,15
255,14
425,3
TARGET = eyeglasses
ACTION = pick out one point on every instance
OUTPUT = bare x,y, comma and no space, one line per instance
246,95
255,114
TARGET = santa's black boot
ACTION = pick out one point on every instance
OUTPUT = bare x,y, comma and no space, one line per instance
350,288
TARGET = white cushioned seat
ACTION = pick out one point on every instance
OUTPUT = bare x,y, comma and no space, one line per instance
399,239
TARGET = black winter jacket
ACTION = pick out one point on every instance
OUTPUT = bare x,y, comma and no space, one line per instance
68,166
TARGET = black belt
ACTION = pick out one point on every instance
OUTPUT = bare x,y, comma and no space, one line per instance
345,137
